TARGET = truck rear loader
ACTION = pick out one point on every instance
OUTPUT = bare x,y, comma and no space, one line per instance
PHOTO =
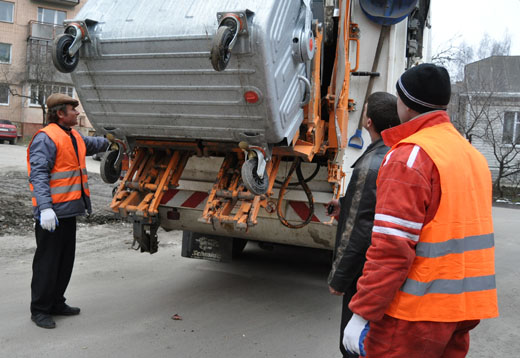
235,120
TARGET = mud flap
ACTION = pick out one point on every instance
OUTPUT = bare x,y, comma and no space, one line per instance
207,247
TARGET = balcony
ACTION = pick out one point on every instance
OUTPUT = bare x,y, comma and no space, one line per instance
45,31
59,2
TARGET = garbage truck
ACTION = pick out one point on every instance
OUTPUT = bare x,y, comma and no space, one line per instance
236,120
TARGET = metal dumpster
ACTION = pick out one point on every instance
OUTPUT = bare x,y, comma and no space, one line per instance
150,69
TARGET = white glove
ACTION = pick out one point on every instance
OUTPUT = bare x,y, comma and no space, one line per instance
48,220
354,335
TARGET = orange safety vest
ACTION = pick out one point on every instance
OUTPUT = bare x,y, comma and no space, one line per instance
452,278
68,175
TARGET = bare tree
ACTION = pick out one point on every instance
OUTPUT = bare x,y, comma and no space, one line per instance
454,57
39,74
480,101
505,152
456,54
471,110
489,47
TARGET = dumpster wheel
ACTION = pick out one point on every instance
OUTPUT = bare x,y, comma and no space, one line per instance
220,52
252,181
60,54
108,171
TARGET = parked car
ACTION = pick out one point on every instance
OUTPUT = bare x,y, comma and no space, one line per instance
7,131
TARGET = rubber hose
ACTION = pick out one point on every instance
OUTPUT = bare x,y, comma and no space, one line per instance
316,171
296,165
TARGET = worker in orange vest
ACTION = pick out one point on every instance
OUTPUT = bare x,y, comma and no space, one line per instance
429,277
59,185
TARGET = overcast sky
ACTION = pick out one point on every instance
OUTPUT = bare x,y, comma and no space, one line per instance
470,19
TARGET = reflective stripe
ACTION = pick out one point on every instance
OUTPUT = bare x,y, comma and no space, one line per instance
455,246
65,189
387,158
398,221
395,232
85,185
65,175
468,284
84,171
413,156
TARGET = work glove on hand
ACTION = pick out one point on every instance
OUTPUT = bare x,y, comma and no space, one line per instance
333,207
112,141
48,220
354,335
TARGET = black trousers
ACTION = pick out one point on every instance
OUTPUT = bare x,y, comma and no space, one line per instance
52,266
346,315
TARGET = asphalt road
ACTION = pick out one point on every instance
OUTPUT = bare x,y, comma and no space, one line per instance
266,304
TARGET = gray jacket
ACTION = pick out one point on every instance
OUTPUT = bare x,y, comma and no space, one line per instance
42,155
356,219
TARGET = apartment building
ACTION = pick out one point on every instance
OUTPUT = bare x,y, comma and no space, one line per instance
27,75
486,105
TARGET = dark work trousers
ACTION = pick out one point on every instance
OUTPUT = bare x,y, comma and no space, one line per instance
346,314
52,266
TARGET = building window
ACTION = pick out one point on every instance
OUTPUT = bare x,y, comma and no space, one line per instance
4,94
511,131
6,11
51,16
5,53
47,91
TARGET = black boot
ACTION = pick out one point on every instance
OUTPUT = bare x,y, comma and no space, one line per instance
66,310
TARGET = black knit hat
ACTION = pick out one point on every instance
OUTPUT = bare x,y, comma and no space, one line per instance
425,88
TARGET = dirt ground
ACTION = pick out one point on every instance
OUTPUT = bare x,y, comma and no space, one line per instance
15,201
16,217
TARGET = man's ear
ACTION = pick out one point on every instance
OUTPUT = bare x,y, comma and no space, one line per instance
369,123
60,113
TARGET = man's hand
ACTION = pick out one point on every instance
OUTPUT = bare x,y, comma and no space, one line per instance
333,207
112,141
110,137
354,335
334,292
48,220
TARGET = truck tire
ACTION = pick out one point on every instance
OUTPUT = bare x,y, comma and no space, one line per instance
252,181
238,247
60,56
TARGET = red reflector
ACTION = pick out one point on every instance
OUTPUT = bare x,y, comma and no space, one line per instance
311,44
251,97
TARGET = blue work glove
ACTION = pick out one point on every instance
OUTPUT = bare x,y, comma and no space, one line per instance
354,335
48,220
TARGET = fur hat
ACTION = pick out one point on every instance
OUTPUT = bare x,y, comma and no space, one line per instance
425,87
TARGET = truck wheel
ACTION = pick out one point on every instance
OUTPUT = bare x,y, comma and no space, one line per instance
108,173
252,181
12,141
220,53
60,54
238,247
